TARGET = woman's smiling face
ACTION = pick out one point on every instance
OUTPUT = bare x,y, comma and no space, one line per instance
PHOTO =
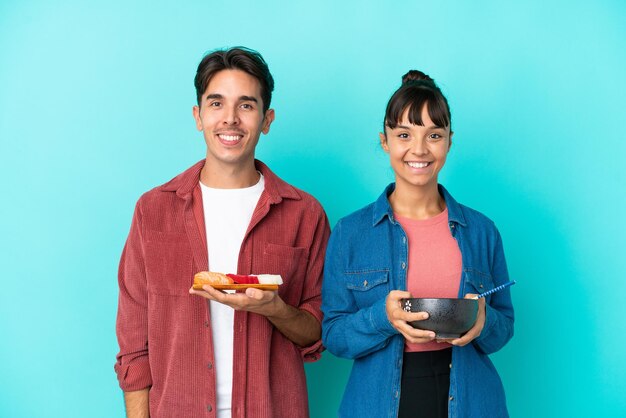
417,153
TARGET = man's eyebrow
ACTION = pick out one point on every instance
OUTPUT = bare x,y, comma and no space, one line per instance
241,98
248,99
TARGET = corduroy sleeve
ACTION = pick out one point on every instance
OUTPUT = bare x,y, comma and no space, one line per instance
132,366
311,298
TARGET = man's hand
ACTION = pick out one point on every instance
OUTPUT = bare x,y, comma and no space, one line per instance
475,331
399,318
298,325
263,302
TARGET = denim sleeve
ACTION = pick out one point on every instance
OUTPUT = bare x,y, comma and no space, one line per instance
498,329
347,331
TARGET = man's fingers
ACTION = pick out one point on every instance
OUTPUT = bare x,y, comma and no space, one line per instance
256,294
202,293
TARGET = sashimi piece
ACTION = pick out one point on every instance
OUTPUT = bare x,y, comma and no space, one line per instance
256,278
270,278
243,278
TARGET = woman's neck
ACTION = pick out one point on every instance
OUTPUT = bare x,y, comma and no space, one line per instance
416,202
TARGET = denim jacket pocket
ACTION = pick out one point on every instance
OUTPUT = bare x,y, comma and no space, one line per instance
367,286
476,281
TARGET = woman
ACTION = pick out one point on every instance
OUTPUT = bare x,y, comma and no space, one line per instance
415,241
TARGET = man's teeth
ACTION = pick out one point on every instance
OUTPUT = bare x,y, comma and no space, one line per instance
231,138
417,165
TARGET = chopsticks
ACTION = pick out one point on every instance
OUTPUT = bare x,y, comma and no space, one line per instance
495,289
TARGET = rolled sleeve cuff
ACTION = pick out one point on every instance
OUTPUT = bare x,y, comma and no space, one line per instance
379,319
134,376
312,352
490,321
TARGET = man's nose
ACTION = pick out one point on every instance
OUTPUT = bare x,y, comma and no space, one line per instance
231,117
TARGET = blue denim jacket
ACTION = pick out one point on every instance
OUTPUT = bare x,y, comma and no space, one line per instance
366,258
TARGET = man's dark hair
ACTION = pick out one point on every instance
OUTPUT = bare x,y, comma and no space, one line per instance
236,58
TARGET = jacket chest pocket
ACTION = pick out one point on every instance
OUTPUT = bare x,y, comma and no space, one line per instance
289,262
367,286
476,282
168,263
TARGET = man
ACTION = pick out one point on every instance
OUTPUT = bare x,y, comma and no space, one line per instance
188,353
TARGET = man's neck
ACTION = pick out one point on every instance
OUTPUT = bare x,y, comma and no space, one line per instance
222,176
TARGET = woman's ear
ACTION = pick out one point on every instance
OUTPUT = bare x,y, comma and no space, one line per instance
383,142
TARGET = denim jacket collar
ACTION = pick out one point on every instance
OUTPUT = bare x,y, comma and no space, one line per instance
382,207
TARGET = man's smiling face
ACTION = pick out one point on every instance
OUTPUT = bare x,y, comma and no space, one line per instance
231,118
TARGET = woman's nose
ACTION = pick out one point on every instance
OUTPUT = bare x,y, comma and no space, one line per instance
418,147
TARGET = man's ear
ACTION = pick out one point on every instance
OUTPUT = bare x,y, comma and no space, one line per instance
196,115
383,142
267,120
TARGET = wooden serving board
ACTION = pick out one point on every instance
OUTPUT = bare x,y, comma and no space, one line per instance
198,286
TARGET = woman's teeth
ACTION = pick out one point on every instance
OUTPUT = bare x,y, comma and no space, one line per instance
417,165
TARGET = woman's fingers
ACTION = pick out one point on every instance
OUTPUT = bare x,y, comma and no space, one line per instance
414,335
400,318
475,331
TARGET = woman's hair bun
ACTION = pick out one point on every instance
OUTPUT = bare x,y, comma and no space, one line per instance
415,75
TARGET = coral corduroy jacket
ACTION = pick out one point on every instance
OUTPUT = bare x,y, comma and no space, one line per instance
164,333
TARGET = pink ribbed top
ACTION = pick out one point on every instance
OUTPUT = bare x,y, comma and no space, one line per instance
435,264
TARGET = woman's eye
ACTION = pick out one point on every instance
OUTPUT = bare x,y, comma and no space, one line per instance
434,137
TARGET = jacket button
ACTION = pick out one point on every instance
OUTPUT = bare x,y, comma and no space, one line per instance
404,240
210,365
206,324
450,365
209,408
365,283
403,265
451,398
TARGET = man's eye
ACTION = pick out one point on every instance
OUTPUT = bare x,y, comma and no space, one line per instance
246,106
215,104
403,135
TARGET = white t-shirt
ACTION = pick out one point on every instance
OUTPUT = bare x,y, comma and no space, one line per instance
227,214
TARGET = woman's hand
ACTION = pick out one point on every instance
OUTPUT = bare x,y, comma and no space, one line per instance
475,331
399,318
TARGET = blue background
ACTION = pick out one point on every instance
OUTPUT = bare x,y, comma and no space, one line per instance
95,109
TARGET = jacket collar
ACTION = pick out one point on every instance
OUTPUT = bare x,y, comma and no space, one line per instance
382,207
184,183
